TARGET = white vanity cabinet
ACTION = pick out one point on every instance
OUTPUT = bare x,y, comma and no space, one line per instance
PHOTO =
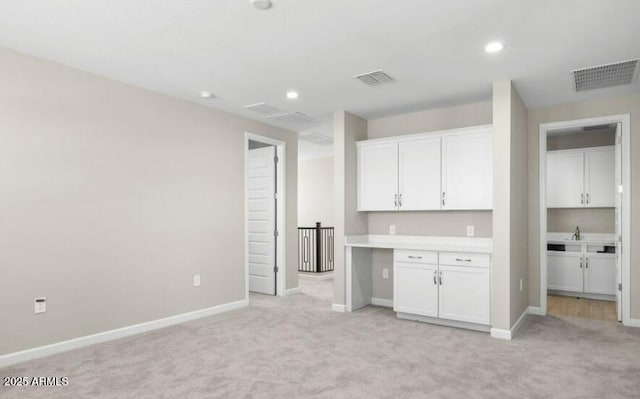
565,271
580,178
600,274
436,171
582,269
448,286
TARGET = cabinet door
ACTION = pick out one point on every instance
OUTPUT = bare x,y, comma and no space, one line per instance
564,271
419,174
565,179
415,289
600,274
377,176
599,178
464,294
467,171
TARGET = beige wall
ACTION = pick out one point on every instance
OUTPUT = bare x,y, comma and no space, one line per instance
112,198
315,192
588,109
347,129
590,220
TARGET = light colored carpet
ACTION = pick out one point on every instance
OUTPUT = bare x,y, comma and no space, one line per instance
296,347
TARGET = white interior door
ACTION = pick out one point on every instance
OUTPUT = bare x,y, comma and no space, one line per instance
618,224
419,174
261,205
378,177
599,187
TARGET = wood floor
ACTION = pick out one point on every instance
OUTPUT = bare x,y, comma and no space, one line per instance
581,307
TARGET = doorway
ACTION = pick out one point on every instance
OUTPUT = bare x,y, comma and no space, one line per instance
585,176
265,235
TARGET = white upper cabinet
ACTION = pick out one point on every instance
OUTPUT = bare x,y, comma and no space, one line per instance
419,174
600,189
378,176
444,170
467,171
565,176
581,178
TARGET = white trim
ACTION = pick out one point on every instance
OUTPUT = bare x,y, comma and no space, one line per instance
500,334
315,276
632,323
293,291
336,307
625,120
536,310
518,324
387,303
81,342
281,152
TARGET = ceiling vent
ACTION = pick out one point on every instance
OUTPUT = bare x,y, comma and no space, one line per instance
599,77
263,108
291,117
375,78
315,138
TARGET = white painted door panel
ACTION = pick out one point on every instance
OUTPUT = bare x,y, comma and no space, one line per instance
467,168
599,178
564,271
377,176
261,220
565,179
419,174
600,274
415,290
464,294
618,222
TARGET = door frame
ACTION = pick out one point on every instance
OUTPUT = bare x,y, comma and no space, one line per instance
281,217
625,121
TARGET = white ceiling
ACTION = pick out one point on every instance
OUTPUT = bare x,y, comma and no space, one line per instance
433,48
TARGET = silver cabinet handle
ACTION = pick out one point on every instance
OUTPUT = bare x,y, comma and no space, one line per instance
443,198
400,200
415,257
580,263
581,199
395,200
586,263
440,278
587,198
435,282
462,260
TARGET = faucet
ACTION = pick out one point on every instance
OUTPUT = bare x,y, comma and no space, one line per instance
576,235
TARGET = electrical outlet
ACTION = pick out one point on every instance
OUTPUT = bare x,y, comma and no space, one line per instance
521,285
40,305
385,273
392,229
471,231
196,280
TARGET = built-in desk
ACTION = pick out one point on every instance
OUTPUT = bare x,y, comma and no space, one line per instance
445,273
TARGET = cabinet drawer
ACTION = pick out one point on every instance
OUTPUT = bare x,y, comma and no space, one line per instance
415,257
465,259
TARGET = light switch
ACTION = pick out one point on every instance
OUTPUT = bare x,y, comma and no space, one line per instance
471,231
392,229
196,280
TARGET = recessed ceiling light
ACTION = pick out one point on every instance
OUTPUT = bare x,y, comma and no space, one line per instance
261,4
493,47
292,95
206,94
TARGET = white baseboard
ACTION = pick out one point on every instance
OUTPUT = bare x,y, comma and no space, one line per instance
80,342
632,323
536,310
509,334
292,291
387,303
339,308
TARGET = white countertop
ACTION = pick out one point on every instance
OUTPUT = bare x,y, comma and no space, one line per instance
423,243
585,238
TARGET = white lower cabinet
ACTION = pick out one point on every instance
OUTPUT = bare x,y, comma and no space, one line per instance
428,286
581,272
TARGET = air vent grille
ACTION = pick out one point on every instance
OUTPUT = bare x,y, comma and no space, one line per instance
610,75
375,78
263,108
291,117
315,138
